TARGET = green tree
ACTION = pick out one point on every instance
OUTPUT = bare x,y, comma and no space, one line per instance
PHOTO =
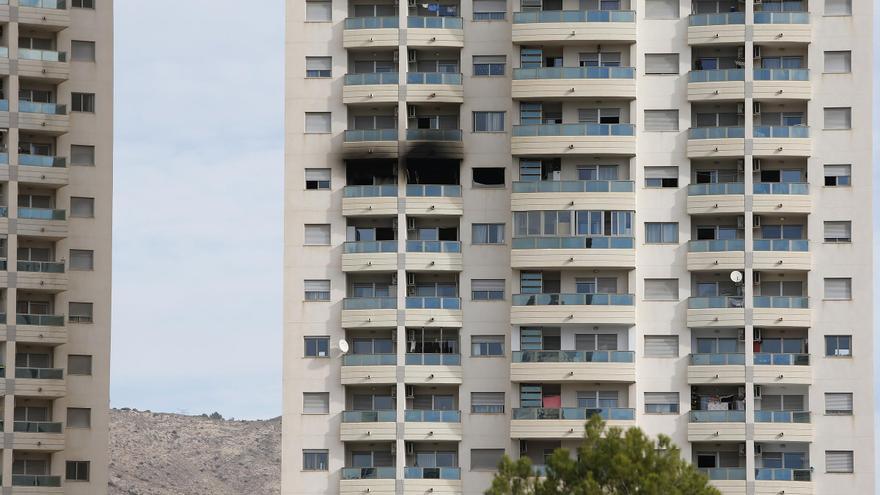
610,461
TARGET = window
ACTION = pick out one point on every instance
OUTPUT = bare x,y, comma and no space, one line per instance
82,207
662,9
661,289
838,7
488,176
488,121
661,402
319,66
487,233
838,118
83,4
318,11
80,312
82,102
316,402
661,63
77,471
838,175
487,402
81,154
315,460
487,289
661,120
317,235
317,290
838,461
82,260
79,364
490,10
838,231
838,345
82,51
317,346
489,65
839,403
317,122
661,346
79,417
838,288
485,459
661,232
839,62
487,345
317,178
661,176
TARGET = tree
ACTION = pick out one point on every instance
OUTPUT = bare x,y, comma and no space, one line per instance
610,461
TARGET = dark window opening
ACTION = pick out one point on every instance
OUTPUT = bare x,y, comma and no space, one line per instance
489,176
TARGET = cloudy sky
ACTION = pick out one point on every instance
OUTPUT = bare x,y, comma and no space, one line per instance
197,230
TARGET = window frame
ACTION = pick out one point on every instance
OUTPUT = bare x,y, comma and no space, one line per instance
320,293
78,468
487,344
90,253
320,72
317,339
837,338
81,319
487,411
306,116
87,412
316,452
85,101
489,228
662,230
323,395
328,3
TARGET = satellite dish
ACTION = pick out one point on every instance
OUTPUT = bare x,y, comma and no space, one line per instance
736,276
343,346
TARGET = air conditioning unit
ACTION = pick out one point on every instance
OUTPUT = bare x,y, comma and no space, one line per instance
740,108
740,222
523,446
410,448
756,221
742,449
756,278
410,279
757,337
742,335
756,108
411,56
411,111
410,392
756,51
756,164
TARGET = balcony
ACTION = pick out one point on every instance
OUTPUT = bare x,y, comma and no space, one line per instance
712,29
574,25
434,32
375,87
772,481
782,84
573,139
717,426
371,32
378,480
45,65
539,309
39,329
434,143
375,426
792,426
782,140
729,481
781,311
4,120
430,256
782,27
716,85
573,366
40,382
370,143
36,484
41,275
437,480
434,426
573,194
781,197
433,369
566,422
716,254
717,368
46,13
715,142
433,312
573,252
360,369
782,369
43,170
42,222
369,312
719,197
434,87
781,254
574,82
369,256
45,117
434,199
369,200
718,311
38,435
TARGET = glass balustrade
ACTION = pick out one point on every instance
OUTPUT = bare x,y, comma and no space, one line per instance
433,246
433,359
782,74
716,188
573,242
573,299
432,473
431,302
433,78
4,50
40,373
574,413
718,359
781,131
433,22
4,106
383,416
41,214
41,55
388,22
787,302
716,245
717,416
433,190
573,356
717,19
351,303
357,136
433,134
725,474
579,129
716,75
782,417
423,416
40,320
715,302
369,360
4,158
782,17
369,473
366,247
36,427
781,188
781,359
44,4
371,78
380,191
574,16
782,474
36,480
46,108
575,73
42,161
41,266
783,245
717,133
574,186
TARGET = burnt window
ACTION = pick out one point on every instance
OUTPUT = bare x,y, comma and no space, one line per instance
489,176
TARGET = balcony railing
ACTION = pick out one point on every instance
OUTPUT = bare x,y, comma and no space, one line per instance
573,242
715,302
40,373
432,473
362,247
41,214
372,78
40,320
781,359
433,78
716,133
717,19
423,416
718,359
44,4
433,190
716,188
433,246
372,303
573,299
42,161
390,22
433,22
580,129
36,107
782,474
782,74
573,356
787,302
361,135
4,211
4,158
383,416
369,473
41,266
574,16
431,302
381,191
575,73
717,417
781,131
433,134
4,50
36,480
782,416
369,360
574,186
716,75
717,245
784,245
490,16
725,474
576,413
36,427
781,188
432,359
782,17
41,55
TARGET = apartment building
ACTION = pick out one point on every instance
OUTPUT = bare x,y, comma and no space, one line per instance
56,163
502,218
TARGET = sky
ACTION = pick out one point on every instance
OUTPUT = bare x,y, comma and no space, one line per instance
198,207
